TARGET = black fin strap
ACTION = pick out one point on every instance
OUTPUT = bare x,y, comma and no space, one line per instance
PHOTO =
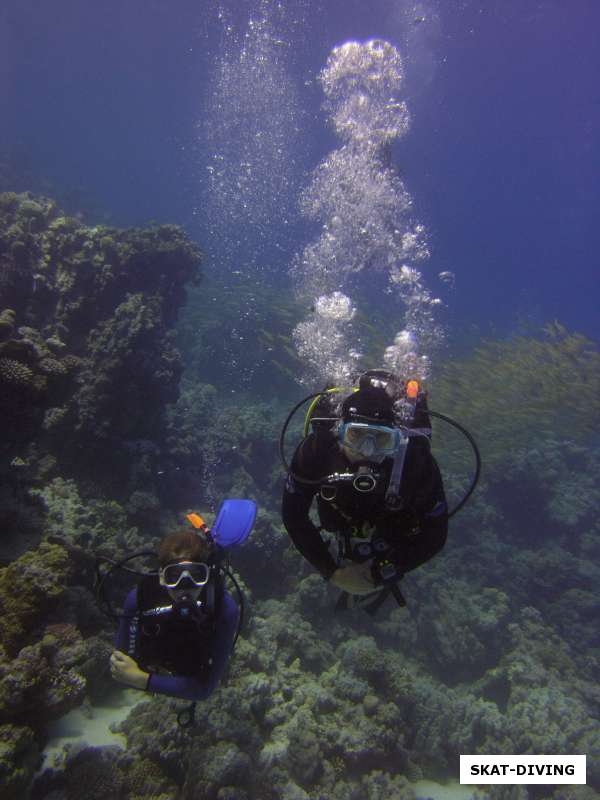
343,602
383,595
397,594
373,607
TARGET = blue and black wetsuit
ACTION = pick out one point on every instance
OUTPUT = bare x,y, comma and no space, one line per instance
190,655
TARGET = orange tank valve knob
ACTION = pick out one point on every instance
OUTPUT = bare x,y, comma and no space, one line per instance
412,390
197,521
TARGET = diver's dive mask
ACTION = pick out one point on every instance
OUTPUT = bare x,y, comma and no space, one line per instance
371,442
180,575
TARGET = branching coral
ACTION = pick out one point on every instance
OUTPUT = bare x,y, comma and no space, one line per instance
516,392
88,523
467,631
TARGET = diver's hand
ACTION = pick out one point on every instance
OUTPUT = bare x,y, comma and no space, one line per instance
355,579
125,670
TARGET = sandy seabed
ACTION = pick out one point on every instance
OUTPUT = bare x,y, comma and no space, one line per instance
88,726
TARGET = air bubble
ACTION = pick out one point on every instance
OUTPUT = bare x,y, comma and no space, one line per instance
364,210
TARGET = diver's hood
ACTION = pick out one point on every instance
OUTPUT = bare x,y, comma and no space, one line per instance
371,404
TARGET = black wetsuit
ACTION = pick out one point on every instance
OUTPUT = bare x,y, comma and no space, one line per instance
412,535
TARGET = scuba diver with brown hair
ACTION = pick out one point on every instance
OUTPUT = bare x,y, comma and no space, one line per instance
179,624
182,652
378,488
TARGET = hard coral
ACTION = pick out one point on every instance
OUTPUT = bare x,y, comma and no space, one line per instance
7,323
19,759
14,374
52,366
223,764
97,770
89,523
144,778
29,587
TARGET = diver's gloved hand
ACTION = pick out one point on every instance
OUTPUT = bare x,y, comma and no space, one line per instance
355,579
125,670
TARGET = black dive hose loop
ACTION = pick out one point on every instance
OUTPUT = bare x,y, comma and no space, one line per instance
473,444
284,431
101,597
240,595
318,481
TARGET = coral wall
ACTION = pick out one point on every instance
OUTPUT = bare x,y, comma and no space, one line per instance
88,362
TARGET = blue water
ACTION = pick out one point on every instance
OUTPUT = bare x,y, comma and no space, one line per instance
100,102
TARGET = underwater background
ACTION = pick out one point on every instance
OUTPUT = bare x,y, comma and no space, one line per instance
207,211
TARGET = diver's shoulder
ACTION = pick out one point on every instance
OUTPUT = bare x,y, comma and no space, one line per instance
314,452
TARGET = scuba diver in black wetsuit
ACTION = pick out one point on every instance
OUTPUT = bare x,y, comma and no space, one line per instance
378,488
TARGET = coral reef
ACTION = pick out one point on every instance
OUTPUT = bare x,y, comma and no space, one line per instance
19,759
47,667
86,340
92,524
29,587
105,772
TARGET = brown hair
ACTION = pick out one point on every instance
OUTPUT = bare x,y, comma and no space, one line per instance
183,546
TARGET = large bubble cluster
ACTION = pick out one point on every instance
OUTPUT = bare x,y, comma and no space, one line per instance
366,220
359,202
360,82
335,306
323,337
